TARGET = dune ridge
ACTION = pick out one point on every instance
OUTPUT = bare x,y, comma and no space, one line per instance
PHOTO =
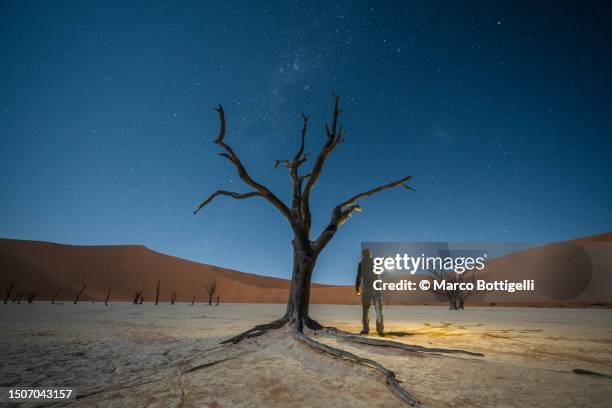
44,267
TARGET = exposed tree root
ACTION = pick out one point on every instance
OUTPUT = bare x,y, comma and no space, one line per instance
392,382
257,331
206,365
317,328
393,344
185,362
587,372
347,336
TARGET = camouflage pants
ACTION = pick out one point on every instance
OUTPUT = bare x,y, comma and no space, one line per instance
366,300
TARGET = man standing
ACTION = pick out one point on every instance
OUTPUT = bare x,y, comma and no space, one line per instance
365,280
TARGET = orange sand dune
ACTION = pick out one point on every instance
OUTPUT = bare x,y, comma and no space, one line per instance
574,273
44,268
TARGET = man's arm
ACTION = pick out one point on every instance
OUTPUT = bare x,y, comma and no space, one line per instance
358,280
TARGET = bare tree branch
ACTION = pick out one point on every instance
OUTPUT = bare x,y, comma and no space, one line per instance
136,297
334,138
54,296
237,196
360,196
300,151
211,288
242,171
344,210
300,157
78,295
456,297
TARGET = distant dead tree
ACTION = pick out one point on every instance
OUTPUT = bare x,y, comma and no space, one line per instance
78,295
55,296
218,299
30,296
8,292
17,296
136,297
157,294
211,288
107,297
455,296
193,301
174,297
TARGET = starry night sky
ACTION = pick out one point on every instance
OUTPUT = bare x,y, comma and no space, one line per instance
501,112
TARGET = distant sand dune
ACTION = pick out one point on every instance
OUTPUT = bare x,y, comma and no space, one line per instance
43,268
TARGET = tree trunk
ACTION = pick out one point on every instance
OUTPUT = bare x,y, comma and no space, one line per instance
78,295
304,260
157,294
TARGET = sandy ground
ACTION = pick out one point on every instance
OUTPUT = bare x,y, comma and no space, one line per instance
169,356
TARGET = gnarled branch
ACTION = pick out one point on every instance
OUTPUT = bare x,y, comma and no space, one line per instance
300,152
334,137
242,171
351,201
293,165
237,196
344,210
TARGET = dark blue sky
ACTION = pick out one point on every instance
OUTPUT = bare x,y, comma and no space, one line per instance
501,112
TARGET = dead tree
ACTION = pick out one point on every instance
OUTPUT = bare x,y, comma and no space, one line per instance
8,292
306,249
107,297
451,292
55,296
157,294
193,301
30,296
211,288
174,297
136,297
218,299
78,295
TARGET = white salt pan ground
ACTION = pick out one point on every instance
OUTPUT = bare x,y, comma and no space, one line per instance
169,356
